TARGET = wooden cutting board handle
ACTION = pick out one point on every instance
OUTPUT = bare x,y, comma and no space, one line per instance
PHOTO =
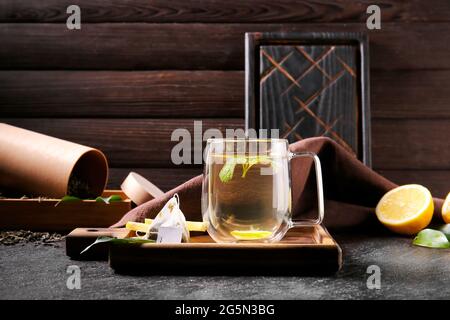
80,238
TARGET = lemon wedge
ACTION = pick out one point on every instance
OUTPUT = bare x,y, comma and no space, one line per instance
137,226
250,234
406,209
446,209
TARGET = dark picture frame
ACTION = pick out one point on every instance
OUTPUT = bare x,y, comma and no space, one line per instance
353,105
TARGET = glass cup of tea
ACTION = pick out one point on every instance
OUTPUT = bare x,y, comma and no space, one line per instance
246,192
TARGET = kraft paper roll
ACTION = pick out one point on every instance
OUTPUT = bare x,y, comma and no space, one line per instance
139,189
40,165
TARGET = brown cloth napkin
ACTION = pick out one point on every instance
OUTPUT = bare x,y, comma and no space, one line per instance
351,189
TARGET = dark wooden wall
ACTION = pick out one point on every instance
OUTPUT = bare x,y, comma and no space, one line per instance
140,68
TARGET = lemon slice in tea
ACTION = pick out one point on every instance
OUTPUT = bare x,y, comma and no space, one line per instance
250,234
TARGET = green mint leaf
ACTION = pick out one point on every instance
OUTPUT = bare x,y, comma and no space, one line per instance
246,166
68,199
431,239
226,173
108,200
445,229
252,160
97,241
104,239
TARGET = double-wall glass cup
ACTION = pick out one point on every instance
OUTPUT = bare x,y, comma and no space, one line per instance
246,193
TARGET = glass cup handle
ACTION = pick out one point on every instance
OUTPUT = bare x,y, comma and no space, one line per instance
319,183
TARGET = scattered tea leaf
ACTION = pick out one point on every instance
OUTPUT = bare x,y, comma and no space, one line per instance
24,236
78,186
431,239
108,200
104,239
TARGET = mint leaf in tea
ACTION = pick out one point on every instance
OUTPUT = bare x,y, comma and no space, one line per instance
227,171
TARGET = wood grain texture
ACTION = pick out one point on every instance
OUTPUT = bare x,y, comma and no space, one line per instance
410,76
411,144
307,91
397,144
222,11
48,215
174,94
411,94
108,94
141,46
164,178
437,181
127,142
308,250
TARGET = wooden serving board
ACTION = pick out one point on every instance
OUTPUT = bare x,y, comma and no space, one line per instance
48,215
305,250
80,238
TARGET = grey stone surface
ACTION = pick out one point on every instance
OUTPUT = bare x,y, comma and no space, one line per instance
408,272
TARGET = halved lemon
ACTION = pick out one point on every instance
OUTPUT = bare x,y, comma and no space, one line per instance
250,234
406,209
446,209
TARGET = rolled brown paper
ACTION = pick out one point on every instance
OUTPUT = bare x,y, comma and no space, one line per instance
139,189
40,165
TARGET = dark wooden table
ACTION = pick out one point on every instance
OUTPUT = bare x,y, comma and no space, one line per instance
407,272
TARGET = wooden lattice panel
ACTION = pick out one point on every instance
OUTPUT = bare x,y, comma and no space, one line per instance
309,86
